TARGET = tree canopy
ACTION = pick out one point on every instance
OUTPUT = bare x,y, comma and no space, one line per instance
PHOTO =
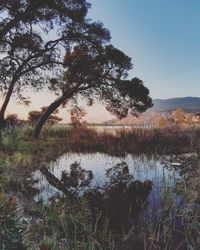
34,36
98,72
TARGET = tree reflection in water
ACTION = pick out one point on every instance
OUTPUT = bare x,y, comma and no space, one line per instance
121,198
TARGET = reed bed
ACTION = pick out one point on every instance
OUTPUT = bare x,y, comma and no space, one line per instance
69,225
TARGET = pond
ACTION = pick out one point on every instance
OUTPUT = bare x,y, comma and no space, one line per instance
141,182
159,171
131,191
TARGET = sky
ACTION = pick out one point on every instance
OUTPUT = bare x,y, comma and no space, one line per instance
161,36
163,39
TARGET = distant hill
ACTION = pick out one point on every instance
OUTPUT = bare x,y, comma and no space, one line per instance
161,106
188,104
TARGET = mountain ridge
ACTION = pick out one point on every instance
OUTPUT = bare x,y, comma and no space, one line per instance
189,104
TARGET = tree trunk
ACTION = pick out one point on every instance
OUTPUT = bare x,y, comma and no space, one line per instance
52,107
5,104
55,182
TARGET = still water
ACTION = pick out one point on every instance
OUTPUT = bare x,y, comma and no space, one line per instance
159,171
130,190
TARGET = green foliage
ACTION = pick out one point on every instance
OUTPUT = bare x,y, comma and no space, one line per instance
68,225
10,228
8,138
49,243
2,166
11,138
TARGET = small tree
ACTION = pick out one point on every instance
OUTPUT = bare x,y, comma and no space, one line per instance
162,122
178,115
77,115
12,119
34,116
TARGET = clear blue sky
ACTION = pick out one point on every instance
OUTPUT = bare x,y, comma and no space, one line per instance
163,39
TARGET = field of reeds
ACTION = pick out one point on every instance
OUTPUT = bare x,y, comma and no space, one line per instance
170,140
68,223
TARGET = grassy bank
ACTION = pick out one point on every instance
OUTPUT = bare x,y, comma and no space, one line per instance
68,224
170,140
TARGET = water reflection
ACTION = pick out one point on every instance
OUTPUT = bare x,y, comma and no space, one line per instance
121,198
126,189
131,191
72,183
141,167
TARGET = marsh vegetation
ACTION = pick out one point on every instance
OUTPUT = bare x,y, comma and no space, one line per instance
78,188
